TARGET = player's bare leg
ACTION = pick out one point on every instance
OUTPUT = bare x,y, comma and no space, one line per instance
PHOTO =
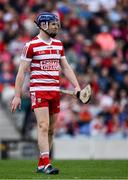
53,118
42,116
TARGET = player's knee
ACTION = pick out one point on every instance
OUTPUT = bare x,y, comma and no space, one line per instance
43,127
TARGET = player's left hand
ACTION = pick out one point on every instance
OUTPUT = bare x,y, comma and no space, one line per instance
77,89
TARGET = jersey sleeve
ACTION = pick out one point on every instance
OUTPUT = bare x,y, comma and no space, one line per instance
27,52
62,52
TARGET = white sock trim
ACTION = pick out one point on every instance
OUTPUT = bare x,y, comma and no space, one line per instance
44,153
40,167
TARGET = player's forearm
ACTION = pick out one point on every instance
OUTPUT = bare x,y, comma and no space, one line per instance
19,84
70,75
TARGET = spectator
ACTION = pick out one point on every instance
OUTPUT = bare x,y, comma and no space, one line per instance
95,38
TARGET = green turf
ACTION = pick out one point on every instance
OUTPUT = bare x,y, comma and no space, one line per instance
69,169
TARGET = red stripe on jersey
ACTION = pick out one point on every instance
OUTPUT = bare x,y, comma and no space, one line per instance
44,84
39,69
36,61
35,69
56,43
44,77
35,38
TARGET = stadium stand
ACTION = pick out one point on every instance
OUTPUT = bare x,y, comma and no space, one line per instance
95,37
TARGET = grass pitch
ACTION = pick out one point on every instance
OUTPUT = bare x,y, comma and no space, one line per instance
69,169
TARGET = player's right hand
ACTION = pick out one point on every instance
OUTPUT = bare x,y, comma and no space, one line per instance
16,103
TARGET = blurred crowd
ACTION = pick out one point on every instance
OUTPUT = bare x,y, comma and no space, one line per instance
95,37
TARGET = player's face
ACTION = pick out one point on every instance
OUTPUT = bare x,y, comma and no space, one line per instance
53,28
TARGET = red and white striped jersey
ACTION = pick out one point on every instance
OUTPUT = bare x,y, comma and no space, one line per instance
45,63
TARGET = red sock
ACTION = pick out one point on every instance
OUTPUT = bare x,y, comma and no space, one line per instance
40,163
43,160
